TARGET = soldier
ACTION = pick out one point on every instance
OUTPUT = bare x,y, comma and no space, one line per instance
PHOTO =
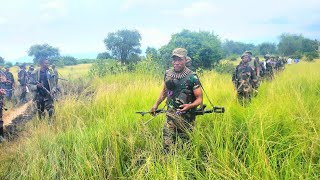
189,62
269,67
2,78
2,93
43,87
23,80
9,85
56,73
30,71
183,93
244,79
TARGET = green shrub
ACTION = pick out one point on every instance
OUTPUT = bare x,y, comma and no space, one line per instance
225,67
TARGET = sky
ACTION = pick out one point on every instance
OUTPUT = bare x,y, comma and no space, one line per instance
80,26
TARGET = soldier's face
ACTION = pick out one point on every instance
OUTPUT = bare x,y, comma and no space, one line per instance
245,59
178,63
45,64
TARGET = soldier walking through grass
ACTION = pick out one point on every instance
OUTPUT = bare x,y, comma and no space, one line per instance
43,87
244,79
183,93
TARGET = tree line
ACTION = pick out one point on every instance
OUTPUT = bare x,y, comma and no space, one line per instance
205,48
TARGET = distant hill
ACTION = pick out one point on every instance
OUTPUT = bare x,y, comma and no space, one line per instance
24,59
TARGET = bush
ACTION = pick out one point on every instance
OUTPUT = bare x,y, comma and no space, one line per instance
148,66
225,67
233,57
310,56
297,55
103,67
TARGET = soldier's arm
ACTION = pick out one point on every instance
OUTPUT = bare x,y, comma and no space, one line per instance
199,98
161,98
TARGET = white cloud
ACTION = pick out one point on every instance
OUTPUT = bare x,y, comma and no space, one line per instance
141,4
52,10
154,37
199,8
3,20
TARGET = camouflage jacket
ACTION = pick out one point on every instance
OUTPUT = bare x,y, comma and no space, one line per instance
180,89
244,78
35,79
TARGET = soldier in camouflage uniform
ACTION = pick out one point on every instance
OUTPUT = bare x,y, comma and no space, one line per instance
9,84
189,62
43,87
183,93
23,80
244,79
2,93
269,67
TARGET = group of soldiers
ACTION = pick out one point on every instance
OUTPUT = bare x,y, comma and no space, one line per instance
42,83
250,72
183,91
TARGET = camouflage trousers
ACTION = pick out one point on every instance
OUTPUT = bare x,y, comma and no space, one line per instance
44,103
176,126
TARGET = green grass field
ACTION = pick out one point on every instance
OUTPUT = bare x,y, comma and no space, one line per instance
98,135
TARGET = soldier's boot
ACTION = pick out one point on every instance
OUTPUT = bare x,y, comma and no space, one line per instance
50,112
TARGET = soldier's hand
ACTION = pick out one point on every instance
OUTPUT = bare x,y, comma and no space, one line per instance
184,107
39,85
153,110
2,91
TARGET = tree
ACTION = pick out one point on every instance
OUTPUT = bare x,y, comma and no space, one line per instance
153,53
123,44
232,47
68,60
1,60
203,47
104,55
267,48
297,46
43,51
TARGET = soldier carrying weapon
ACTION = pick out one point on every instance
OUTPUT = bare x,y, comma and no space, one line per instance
2,93
183,92
43,86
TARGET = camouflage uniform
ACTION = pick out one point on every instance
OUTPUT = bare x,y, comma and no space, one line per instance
180,89
9,84
40,96
23,80
269,67
244,79
1,114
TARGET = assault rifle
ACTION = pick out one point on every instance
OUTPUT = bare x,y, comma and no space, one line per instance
199,111
47,91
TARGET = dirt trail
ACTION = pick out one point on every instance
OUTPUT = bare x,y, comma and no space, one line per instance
10,115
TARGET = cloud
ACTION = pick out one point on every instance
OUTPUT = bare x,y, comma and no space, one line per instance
197,9
3,20
52,10
143,4
154,37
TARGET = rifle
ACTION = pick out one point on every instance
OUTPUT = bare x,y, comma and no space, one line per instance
199,111
47,91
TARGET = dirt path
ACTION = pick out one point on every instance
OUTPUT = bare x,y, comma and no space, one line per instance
10,115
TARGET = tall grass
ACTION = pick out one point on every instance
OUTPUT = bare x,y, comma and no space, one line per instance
100,136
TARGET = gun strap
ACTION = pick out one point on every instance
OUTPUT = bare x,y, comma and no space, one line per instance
205,92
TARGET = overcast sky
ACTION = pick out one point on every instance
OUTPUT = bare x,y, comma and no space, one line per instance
79,26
